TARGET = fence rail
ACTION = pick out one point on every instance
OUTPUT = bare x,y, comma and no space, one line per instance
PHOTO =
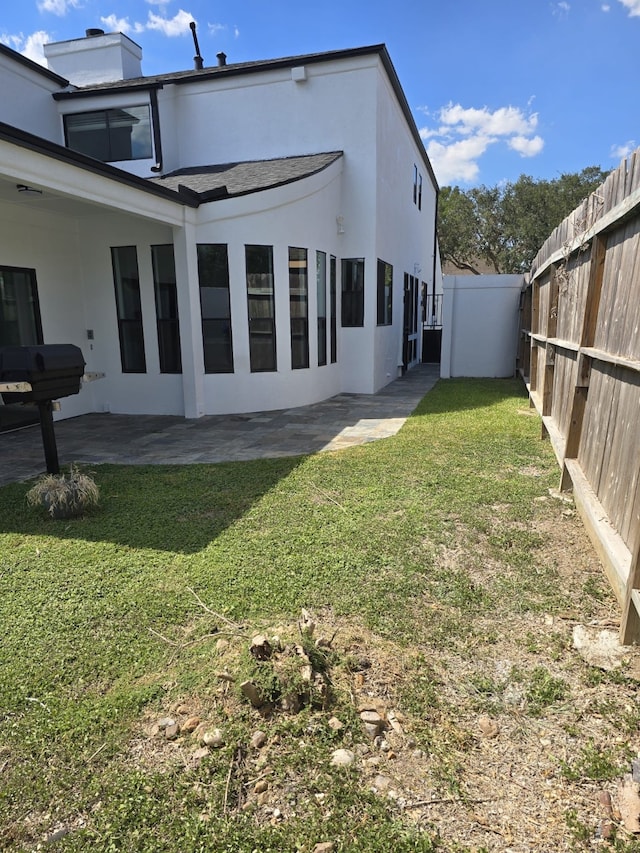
580,356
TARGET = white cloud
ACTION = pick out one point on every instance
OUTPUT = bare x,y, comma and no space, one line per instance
619,152
458,161
214,29
500,122
236,32
29,46
57,7
526,147
633,6
605,7
463,134
118,25
176,26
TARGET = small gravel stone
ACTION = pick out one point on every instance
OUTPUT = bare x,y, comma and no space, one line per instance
488,727
190,725
172,732
214,739
324,847
258,740
261,786
165,722
342,758
335,724
200,753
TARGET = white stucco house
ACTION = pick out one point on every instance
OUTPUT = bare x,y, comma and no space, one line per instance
225,239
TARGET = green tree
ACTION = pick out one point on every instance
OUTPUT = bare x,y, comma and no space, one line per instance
503,227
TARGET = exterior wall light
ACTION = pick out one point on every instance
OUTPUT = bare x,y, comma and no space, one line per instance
25,189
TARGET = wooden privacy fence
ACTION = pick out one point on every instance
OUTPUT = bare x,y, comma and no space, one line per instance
580,356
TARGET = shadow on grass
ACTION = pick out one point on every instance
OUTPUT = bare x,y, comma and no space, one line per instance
179,508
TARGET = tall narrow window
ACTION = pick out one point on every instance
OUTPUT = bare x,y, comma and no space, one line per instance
299,307
166,293
321,287
215,307
333,308
19,326
19,310
419,192
415,184
385,293
262,317
129,308
353,292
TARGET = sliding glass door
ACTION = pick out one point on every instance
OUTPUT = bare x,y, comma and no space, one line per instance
19,326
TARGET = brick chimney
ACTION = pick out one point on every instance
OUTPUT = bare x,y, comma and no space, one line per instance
98,58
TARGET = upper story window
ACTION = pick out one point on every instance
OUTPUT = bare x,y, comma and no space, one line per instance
111,135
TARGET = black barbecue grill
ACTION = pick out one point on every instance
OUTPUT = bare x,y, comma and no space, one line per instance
41,374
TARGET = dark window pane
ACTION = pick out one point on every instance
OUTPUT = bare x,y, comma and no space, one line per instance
129,309
353,292
333,308
19,311
321,287
166,295
111,135
384,293
215,307
260,296
299,308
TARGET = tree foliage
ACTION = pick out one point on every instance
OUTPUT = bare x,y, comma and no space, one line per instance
503,227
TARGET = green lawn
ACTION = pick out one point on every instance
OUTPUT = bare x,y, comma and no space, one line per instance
103,625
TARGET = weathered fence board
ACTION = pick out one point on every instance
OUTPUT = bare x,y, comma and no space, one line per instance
580,355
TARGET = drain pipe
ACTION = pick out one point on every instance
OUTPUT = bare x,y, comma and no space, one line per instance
157,137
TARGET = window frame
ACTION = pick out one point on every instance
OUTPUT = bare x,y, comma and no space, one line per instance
352,295
321,306
267,319
124,303
384,293
299,307
217,348
109,129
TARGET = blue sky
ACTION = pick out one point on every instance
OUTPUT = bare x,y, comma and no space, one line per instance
498,88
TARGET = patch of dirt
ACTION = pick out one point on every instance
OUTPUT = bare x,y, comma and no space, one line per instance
500,739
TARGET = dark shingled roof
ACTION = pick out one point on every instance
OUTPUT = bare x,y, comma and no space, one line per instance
234,179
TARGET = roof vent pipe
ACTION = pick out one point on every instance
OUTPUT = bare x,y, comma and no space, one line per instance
93,31
197,59
222,58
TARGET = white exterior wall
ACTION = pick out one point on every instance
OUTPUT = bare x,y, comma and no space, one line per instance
404,233
26,100
342,105
480,325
